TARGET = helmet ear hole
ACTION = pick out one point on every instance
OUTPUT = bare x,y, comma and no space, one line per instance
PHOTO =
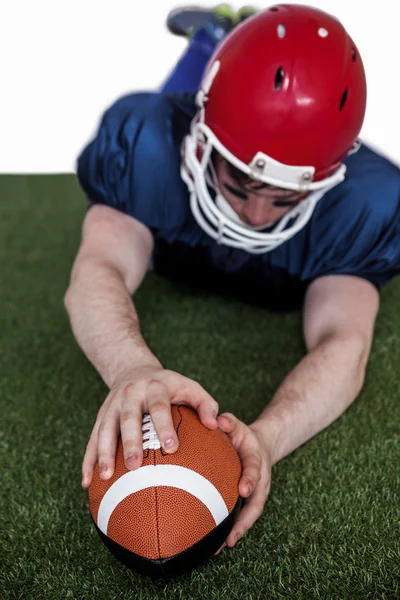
344,98
280,74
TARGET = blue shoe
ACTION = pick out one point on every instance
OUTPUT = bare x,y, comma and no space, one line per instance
223,20
186,20
245,12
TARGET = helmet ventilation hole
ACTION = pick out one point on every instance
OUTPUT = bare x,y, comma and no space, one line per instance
353,54
274,9
281,31
280,74
344,98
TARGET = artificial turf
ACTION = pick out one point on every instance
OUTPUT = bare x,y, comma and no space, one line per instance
331,525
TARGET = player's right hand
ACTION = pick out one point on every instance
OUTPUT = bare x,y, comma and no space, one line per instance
149,389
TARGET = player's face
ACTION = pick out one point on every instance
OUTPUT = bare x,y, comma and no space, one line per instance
256,207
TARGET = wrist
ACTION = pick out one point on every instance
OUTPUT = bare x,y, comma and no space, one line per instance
268,436
147,364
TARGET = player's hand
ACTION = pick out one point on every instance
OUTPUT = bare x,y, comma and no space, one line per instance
149,389
255,482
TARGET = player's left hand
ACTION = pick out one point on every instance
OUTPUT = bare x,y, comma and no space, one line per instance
255,482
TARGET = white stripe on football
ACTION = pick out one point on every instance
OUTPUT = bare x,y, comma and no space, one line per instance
162,475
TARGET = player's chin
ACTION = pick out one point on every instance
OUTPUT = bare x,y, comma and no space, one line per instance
261,226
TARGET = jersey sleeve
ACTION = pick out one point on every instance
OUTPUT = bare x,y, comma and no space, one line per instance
133,162
102,163
357,231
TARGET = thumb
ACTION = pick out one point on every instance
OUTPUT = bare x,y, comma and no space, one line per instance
227,422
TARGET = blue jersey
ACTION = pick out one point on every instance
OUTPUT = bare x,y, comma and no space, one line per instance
133,165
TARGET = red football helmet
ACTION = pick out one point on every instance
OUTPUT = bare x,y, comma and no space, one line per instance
283,99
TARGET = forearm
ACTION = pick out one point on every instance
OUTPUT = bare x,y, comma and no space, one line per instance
316,392
105,322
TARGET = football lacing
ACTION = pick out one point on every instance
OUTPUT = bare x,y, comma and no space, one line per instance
149,434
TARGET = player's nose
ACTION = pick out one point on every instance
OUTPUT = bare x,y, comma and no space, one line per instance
258,211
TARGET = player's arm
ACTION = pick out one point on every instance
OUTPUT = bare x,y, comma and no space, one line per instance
339,319
112,260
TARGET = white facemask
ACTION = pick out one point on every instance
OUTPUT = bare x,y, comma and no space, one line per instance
217,218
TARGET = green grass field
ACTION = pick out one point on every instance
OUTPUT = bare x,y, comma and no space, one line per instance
331,526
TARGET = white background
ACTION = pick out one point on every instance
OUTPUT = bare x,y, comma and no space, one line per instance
62,63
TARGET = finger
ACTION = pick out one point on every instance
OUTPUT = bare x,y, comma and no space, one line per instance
247,449
189,392
228,423
251,468
91,453
131,426
220,550
205,405
89,461
159,406
107,443
249,514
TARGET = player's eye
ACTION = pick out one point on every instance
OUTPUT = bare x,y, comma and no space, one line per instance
235,192
284,203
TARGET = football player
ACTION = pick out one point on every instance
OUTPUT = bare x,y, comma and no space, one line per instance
244,173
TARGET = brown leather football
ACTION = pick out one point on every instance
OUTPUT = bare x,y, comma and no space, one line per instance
175,511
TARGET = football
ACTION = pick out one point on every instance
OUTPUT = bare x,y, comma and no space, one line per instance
176,510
